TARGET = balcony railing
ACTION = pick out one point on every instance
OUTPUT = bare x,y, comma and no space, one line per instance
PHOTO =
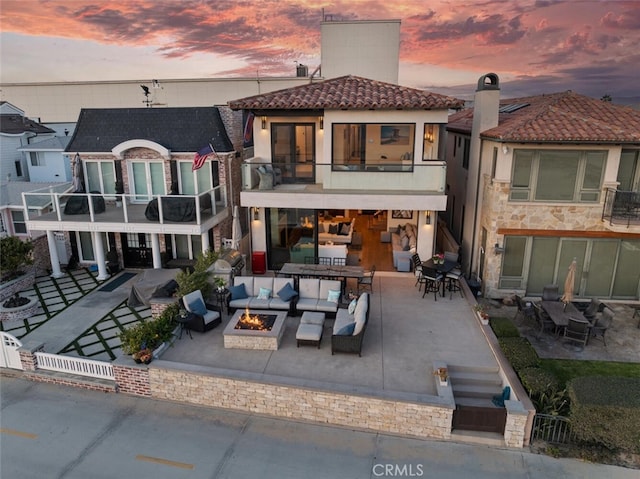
399,176
622,207
50,205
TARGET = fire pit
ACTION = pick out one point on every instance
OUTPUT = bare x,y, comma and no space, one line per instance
255,330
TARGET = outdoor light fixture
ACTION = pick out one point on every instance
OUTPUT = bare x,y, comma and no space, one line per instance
497,249
321,119
428,134
256,213
427,217
264,122
505,149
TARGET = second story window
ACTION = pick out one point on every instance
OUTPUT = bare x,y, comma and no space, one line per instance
373,146
557,175
101,176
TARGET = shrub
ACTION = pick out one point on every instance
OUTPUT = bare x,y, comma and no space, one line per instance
149,334
504,328
519,352
606,411
14,254
189,281
538,380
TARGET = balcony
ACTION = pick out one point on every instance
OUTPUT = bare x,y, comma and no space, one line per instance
178,214
622,208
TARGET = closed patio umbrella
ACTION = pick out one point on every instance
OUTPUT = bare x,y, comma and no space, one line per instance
567,297
78,186
236,230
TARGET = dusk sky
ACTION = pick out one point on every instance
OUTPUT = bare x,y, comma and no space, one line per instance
535,46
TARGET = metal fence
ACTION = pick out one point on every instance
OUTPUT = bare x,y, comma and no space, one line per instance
553,429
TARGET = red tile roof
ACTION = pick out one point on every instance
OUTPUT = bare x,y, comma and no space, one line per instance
347,93
559,117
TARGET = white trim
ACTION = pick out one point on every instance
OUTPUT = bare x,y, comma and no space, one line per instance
119,150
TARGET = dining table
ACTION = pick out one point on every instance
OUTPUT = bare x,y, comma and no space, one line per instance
297,270
442,267
561,312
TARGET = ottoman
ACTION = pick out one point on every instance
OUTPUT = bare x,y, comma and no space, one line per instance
310,329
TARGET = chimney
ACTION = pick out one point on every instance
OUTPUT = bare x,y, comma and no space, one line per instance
486,104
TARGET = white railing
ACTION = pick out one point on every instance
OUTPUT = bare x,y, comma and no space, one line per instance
73,365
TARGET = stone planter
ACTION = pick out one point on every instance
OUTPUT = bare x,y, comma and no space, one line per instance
21,312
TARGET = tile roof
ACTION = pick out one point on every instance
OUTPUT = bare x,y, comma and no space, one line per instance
347,93
559,117
13,124
177,129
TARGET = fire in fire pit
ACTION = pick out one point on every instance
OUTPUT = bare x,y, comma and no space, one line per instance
256,322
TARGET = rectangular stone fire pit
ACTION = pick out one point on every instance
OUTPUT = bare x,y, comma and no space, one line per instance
251,338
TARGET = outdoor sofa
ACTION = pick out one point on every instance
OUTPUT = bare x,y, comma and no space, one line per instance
349,327
277,293
318,295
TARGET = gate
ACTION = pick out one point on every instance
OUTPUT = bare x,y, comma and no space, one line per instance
9,355
476,418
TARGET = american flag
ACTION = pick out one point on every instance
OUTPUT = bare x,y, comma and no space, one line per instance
201,156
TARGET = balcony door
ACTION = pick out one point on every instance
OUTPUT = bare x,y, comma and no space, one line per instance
147,180
293,151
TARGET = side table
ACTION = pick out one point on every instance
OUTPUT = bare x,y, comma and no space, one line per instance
221,299
184,319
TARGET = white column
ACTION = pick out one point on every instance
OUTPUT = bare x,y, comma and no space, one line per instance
155,251
98,249
205,242
53,254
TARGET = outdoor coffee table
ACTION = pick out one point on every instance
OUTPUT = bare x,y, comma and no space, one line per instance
269,339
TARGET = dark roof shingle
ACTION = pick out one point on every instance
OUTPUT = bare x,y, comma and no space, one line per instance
347,93
559,117
12,124
177,129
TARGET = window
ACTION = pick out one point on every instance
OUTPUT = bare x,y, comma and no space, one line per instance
293,151
19,225
465,153
101,176
373,146
494,162
552,175
18,165
199,181
147,179
36,160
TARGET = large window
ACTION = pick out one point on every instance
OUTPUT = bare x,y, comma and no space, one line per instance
291,235
199,181
554,175
19,225
373,146
293,151
147,179
101,176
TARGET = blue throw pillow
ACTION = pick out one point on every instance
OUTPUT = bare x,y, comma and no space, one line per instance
346,330
333,296
265,293
197,306
287,293
238,292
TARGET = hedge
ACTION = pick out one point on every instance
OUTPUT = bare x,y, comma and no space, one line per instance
519,352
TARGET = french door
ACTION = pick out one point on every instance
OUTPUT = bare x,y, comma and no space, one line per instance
147,180
293,151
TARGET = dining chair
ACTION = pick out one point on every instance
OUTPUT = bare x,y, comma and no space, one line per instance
593,309
523,310
451,256
602,323
453,282
544,321
550,293
310,260
420,279
366,282
339,261
577,331
325,260
433,279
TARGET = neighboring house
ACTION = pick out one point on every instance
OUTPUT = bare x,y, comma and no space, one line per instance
45,160
538,181
16,131
348,143
147,205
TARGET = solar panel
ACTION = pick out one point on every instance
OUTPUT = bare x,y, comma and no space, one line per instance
512,107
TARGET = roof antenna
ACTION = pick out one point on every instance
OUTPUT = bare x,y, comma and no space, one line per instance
146,94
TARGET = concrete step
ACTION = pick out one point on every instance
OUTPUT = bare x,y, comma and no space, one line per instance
472,401
476,437
463,368
476,378
475,390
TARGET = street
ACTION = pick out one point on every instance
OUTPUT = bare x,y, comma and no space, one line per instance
53,431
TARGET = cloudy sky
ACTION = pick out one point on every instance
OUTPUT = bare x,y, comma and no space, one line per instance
535,46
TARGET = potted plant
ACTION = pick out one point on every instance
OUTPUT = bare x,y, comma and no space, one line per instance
219,283
438,258
443,375
149,334
482,313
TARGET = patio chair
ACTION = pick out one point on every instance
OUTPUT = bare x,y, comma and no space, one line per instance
420,279
433,279
451,256
550,293
324,260
595,306
310,260
602,323
339,261
366,282
207,315
524,310
453,282
544,321
577,331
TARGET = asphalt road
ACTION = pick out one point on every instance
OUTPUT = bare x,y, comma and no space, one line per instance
50,431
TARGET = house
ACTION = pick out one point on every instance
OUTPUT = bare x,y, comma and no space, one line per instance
339,147
538,181
136,199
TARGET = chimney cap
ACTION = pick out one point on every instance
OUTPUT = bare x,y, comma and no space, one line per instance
490,81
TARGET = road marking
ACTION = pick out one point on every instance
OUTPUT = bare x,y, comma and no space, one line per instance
166,462
13,432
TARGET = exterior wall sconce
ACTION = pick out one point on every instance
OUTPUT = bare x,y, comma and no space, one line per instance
256,213
321,120
428,134
264,122
497,249
505,149
427,217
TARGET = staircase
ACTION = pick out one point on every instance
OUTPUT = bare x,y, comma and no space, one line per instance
476,419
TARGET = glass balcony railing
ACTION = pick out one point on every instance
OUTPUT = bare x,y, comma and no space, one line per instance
428,176
51,205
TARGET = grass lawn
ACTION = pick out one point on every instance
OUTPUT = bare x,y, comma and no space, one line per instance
567,369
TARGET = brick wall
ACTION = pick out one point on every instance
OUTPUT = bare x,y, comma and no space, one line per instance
131,378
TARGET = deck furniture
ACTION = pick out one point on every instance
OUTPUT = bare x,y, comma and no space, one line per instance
277,293
432,279
310,329
206,315
550,293
560,313
577,331
366,282
349,327
601,324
